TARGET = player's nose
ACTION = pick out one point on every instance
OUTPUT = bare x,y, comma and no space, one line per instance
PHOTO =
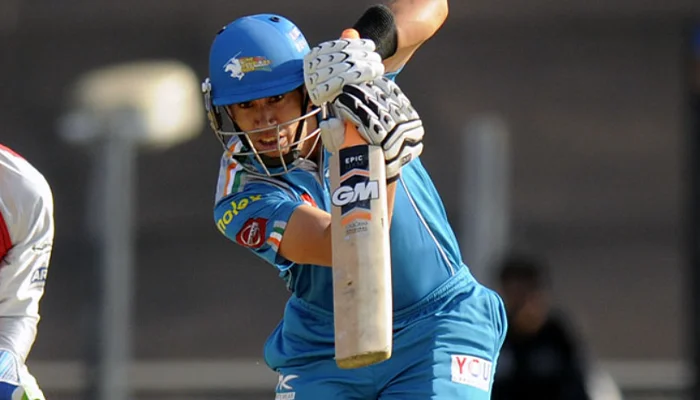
265,116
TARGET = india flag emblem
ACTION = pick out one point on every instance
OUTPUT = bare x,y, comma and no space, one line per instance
276,235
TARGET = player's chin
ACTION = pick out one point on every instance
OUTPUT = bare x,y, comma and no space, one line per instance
274,152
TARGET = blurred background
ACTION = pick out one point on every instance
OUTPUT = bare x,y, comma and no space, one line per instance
564,122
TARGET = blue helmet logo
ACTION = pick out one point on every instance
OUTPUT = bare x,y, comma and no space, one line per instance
255,57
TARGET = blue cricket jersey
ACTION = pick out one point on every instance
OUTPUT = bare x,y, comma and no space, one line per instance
253,211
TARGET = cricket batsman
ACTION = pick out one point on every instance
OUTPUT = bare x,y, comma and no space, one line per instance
26,240
263,94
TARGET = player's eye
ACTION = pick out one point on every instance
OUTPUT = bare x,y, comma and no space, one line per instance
276,99
245,105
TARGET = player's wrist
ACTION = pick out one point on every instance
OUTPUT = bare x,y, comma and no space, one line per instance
379,24
395,177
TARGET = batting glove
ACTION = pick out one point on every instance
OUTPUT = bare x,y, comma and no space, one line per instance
13,392
333,64
16,383
383,116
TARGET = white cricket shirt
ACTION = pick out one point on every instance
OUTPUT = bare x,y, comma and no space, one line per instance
26,240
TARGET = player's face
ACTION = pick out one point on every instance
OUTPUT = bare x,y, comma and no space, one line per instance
270,112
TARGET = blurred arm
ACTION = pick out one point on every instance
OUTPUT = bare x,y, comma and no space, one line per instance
27,211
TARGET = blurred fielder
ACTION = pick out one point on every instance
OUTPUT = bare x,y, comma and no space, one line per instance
26,239
273,198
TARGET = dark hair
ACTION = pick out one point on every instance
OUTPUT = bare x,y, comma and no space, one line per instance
525,269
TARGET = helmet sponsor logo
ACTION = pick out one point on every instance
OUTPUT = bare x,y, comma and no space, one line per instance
238,67
294,33
298,39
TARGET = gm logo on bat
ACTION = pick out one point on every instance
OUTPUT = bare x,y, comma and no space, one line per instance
356,190
362,191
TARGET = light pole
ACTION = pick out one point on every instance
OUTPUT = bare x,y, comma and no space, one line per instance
485,193
115,112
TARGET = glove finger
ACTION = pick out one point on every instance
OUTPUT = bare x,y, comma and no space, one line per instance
323,74
392,90
364,55
320,87
384,109
339,45
364,60
407,134
337,51
329,81
361,44
325,91
324,61
355,59
330,46
364,94
370,66
346,109
354,110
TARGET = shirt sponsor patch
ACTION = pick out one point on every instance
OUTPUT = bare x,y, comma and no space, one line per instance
39,276
471,371
252,234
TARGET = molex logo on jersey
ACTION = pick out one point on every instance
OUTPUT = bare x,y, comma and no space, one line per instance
356,191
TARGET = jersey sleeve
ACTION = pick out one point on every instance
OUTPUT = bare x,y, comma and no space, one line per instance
256,218
392,75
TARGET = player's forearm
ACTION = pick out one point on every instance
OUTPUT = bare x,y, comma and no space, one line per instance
399,28
308,235
417,20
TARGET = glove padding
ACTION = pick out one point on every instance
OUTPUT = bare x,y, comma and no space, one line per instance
383,116
333,64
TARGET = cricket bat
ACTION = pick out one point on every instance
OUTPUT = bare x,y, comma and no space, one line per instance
362,291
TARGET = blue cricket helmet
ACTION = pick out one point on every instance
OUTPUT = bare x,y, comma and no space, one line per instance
254,57
251,58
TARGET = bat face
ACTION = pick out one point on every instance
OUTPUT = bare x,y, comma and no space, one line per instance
362,297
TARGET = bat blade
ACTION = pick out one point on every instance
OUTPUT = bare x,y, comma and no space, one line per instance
361,257
362,291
